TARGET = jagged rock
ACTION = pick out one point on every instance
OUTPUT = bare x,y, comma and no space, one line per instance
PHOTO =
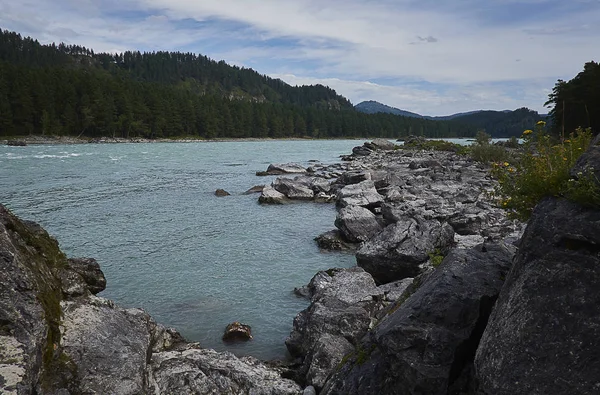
399,250
362,194
237,331
544,334
333,241
270,195
357,224
295,189
383,144
221,193
200,371
89,270
361,151
428,341
343,302
254,189
354,177
285,168
322,197
16,143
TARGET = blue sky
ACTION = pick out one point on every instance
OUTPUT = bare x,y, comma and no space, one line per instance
431,57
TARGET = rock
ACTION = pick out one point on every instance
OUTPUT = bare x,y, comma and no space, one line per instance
254,189
200,371
428,341
270,195
16,143
354,177
285,168
333,241
383,144
310,390
357,224
362,194
544,334
295,189
343,302
400,249
237,331
361,151
89,270
221,193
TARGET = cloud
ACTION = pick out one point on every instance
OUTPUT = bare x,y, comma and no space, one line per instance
466,46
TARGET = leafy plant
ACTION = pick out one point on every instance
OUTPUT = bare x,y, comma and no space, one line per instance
542,170
486,152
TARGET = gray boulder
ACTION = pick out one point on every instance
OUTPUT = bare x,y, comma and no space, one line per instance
362,194
401,248
270,195
544,334
283,168
427,343
333,241
201,371
383,144
361,151
295,189
89,270
357,224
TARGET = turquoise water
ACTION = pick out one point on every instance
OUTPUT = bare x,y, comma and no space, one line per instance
194,261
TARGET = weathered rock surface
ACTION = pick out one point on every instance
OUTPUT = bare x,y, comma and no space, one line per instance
343,306
221,193
284,168
401,248
333,241
270,195
382,144
295,189
544,334
427,343
202,371
357,224
362,194
254,189
57,338
237,331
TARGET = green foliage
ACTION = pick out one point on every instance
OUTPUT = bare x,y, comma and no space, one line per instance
70,90
434,145
436,257
502,123
484,151
542,170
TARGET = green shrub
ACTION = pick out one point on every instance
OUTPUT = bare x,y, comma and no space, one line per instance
543,169
489,153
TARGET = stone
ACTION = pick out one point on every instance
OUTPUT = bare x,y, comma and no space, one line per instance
270,195
427,342
295,189
361,151
357,224
236,331
362,194
383,144
333,241
201,371
254,189
221,193
89,270
544,334
16,143
401,248
284,168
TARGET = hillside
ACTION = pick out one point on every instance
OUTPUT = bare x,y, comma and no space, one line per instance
71,90
496,123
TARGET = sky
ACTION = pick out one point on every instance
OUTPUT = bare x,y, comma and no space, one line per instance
430,57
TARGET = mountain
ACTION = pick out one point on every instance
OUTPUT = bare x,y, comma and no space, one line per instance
374,107
504,123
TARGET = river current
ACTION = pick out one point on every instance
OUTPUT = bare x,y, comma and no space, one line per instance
167,244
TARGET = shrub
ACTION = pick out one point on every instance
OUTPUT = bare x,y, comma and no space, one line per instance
542,170
486,152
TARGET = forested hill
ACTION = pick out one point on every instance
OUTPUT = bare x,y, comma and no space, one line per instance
495,123
70,90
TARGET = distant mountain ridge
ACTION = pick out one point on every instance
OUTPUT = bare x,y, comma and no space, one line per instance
504,123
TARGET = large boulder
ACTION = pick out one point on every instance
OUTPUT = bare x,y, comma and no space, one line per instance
357,224
544,334
90,272
362,194
334,241
427,342
401,248
200,371
343,305
383,144
270,195
284,168
295,189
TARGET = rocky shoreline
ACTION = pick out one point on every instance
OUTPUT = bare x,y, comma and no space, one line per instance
448,297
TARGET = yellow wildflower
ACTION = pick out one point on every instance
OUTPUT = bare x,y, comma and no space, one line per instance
541,123
528,131
564,158
505,164
567,141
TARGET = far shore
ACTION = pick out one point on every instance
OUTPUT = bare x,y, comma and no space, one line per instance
49,140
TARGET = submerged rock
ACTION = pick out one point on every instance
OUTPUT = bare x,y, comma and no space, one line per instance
254,189
237,331
221,193
333,241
